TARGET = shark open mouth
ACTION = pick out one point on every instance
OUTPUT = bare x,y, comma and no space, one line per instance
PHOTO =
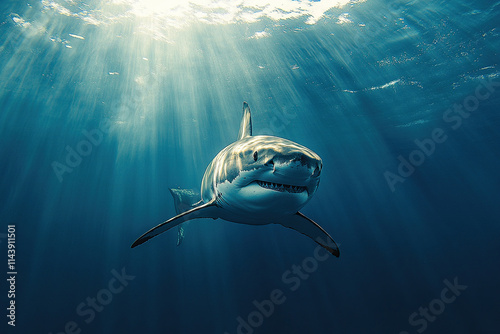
281,187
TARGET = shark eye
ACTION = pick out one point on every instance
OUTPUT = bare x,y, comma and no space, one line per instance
255,156
317,170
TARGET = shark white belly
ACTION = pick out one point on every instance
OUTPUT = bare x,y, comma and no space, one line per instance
257,180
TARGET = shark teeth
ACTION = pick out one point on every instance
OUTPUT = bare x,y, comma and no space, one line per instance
281,187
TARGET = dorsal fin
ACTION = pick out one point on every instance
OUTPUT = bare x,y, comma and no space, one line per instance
246,123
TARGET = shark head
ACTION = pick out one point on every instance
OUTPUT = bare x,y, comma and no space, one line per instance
263,176
266,174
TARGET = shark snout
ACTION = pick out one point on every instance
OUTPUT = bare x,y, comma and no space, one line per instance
298,165
297,171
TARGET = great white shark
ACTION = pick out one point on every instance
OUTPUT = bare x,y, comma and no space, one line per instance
256,180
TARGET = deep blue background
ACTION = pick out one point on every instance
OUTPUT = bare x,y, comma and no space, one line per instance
358,94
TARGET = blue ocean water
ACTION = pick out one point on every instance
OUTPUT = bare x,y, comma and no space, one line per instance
400,99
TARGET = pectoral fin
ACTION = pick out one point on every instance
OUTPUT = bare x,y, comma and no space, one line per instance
307,226
208,210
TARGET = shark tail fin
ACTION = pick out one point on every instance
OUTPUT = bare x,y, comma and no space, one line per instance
184,200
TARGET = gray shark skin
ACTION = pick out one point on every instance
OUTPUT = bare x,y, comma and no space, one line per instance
256,180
